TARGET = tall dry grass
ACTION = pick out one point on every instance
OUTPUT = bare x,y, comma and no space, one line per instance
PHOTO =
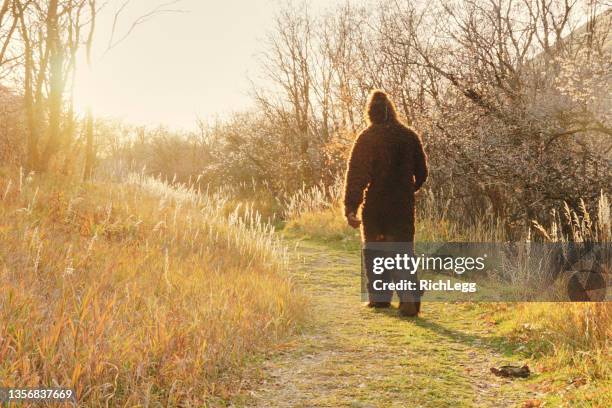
136,293
568,334
317,212
574,333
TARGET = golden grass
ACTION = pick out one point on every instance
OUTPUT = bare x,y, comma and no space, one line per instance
577,334
325,225
569,334
136,293
317,212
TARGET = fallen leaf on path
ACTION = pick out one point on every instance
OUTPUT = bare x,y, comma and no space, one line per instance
511,371
532,403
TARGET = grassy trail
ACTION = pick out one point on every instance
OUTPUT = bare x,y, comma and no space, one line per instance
357,357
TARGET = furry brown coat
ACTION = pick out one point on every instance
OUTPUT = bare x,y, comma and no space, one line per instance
388,164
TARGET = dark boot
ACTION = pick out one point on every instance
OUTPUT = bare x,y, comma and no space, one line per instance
410,299
409,309
379,305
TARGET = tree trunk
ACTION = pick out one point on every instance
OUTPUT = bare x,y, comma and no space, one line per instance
89,148
56,87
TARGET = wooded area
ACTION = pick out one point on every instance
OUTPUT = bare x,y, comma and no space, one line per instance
511,98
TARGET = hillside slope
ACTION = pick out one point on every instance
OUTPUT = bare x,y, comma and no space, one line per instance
134,294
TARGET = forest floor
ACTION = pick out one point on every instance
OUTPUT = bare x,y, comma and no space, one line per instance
353,356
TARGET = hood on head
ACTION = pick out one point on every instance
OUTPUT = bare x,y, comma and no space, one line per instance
380,109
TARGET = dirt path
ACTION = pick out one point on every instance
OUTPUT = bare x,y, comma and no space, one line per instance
352,356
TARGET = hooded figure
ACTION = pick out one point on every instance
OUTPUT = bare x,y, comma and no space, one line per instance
388,163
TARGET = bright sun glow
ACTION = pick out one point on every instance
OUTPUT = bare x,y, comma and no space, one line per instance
86,91
176,67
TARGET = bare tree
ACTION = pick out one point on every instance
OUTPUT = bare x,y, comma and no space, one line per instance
509,94
8,28
51,34
287,64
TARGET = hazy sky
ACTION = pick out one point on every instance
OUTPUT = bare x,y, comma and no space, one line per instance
177,66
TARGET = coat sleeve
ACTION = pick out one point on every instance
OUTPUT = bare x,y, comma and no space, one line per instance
357,175
420,164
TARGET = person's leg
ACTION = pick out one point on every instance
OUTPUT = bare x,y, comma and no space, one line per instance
410,300
371,234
